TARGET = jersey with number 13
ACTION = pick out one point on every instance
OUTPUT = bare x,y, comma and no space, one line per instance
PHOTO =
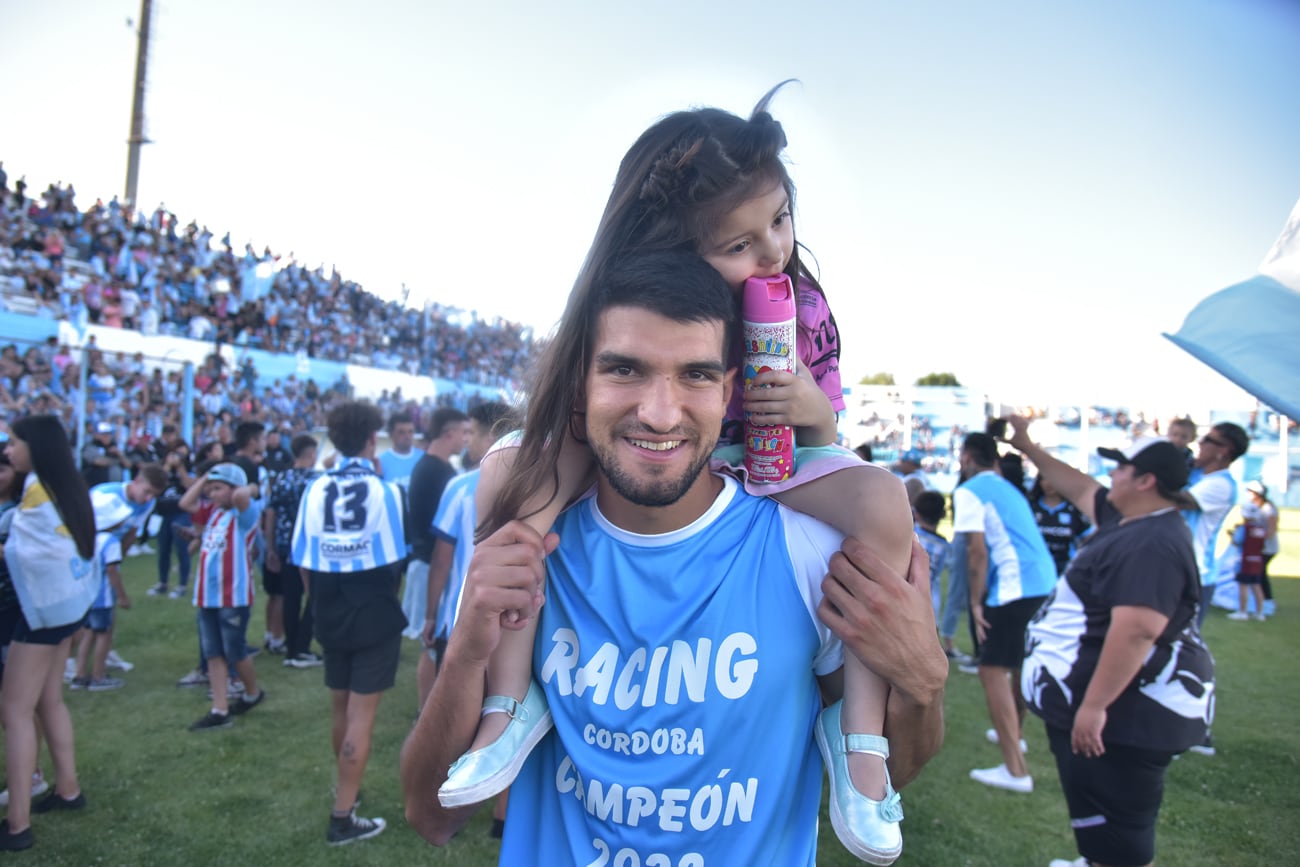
349,520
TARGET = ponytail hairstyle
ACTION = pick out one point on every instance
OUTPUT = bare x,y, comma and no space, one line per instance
674,188
54,468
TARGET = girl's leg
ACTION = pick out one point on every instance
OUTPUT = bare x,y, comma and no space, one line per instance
25,674
58,725
863,712
870,504
510,669
1242,591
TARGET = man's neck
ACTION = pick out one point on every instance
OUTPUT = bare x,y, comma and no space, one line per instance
439,449
657,520
1145,507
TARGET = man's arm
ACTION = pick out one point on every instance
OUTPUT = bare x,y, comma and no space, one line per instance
1133,629
505,574
268,533
439,572
977,574
1077,487
190,499
887,618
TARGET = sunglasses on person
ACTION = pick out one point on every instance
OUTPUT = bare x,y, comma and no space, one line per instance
1212,441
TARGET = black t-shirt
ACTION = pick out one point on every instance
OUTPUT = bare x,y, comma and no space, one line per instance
355,610
428,480
1148,563
1061,525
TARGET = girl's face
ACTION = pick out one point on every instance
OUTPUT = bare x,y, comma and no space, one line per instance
754,240
20,456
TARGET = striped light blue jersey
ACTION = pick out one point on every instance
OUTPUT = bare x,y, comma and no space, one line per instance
108,552
454,523
349,520
680,670
139,511
225,573
1216,494
1020,566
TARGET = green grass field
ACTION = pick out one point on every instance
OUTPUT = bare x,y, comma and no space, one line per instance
259,793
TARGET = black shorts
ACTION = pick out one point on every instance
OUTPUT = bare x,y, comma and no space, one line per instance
54,635
1248,580
1113,800
1004,641
272,582
366,670
358,622
8,623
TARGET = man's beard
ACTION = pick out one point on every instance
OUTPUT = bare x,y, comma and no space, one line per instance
654,492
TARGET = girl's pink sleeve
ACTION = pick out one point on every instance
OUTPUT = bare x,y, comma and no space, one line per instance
819,346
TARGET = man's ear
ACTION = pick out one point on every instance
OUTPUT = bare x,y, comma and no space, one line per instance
729,385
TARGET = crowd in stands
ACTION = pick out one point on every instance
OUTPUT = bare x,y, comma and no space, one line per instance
112,265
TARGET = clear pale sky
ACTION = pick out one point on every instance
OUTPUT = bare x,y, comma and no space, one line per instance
1023,193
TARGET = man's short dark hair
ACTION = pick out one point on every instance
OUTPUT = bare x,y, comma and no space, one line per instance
929,506
982,448
491,415
299,445
442,417
1238,439
351,424
154,474
676,285
399,417
246,432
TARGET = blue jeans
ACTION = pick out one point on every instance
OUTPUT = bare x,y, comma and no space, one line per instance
958,587
167,538
222,633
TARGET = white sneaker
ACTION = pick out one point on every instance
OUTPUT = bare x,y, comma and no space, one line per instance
1260,617
39,787
69,670
992,736
1000,778
115,661
1239,615
1077,862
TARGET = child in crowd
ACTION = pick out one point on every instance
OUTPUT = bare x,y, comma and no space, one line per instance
709,181
223,586
928,509
110,513
1249,537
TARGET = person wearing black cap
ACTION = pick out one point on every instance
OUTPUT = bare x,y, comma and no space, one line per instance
1116,666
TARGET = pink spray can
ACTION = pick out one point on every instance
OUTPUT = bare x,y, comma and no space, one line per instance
767,311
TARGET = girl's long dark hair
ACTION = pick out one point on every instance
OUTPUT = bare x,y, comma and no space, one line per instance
54,468
673,189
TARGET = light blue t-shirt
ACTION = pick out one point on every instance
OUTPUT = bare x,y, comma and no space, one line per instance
397,468
1216,494
1020,566
681,671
